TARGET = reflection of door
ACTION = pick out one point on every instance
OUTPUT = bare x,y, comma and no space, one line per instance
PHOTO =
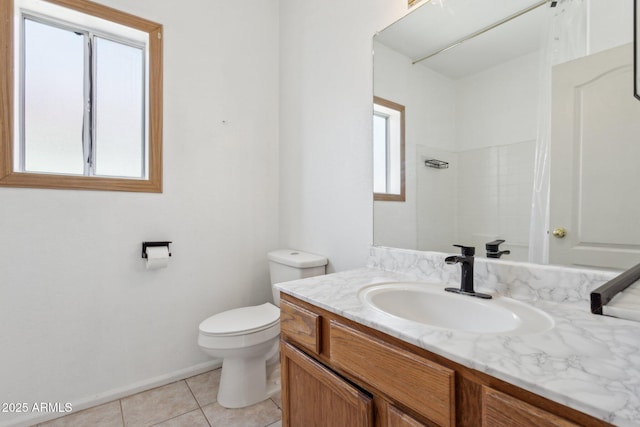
595,162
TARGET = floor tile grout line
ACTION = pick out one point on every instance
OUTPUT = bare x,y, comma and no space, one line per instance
197,401
192,392
275,403
180,415
192,395
121,412
165,385
205,418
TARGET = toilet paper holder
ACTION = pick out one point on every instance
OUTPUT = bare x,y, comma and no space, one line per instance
146,245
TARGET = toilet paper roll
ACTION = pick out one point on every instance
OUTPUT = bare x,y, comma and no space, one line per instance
157,257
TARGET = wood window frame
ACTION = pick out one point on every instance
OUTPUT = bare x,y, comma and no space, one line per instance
11,178
389,197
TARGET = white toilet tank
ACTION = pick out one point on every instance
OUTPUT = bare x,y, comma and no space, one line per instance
290,264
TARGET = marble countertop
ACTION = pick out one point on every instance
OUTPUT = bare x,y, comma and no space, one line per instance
588,362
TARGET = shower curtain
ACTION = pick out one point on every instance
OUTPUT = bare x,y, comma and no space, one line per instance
564,39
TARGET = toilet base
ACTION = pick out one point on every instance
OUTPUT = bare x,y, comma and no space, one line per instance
245,382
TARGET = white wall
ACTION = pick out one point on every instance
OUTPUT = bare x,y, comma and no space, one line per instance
499,105
80,317
437,195
494,197
610,24
325,129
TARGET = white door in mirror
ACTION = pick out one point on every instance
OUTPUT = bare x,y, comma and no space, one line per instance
595,152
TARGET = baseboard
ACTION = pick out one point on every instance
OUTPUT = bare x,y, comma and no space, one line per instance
115,394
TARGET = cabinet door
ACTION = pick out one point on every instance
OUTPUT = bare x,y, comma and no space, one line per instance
314,396
502,410
397,418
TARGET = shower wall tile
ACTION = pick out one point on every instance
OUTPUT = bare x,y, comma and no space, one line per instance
494,199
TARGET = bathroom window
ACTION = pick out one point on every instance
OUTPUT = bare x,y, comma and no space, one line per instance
388,151
87,101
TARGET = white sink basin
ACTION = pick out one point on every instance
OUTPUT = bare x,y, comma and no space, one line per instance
431,305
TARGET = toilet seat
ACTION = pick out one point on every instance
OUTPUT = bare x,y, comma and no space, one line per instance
241,321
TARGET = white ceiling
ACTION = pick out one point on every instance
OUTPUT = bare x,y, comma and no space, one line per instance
438,23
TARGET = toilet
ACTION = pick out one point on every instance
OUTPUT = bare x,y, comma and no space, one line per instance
246,338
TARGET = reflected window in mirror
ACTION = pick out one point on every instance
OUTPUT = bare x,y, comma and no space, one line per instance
388,150
87,101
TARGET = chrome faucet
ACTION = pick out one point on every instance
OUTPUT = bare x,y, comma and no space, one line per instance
466,262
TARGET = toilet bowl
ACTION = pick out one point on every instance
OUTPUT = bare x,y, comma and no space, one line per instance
246,338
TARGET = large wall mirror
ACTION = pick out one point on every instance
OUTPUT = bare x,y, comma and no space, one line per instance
531,106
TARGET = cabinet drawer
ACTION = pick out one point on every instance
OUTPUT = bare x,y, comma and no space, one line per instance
300,325
502,410
422,385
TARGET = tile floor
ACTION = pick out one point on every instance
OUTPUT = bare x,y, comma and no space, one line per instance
188,403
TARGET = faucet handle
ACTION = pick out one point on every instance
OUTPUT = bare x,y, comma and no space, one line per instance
494,246
467,250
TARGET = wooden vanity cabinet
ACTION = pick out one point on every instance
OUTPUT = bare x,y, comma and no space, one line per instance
336,372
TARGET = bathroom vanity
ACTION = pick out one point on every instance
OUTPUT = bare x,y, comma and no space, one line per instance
345,363
360,372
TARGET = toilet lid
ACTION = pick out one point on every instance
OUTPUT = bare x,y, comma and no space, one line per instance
241,320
